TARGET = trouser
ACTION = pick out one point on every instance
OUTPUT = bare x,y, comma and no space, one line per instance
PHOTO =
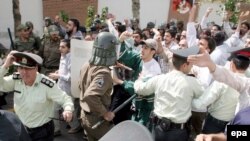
42,133
213,125
76,113
143,109
165,130
90,119
197,119
118,97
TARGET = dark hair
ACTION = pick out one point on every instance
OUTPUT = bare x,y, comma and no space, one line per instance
217,26
211,43
219,38
171,32
67,41
76,23
178,61
121,28
241,62
246,24
137,31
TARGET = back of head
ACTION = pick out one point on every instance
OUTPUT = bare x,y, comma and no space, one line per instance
241,62
219,38
104,50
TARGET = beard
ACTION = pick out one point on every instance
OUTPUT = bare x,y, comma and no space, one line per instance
136,44
69,32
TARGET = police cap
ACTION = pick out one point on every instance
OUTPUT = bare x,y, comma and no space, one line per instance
184,53
239,50
28,60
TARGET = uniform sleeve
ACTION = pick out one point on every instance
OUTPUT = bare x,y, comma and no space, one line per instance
60,97
237,82
146,88
6,83
208,97
128,87
99,86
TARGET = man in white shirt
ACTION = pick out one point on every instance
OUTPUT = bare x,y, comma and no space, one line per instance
174,92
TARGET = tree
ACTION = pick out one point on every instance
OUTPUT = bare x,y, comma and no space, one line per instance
16,14
136,9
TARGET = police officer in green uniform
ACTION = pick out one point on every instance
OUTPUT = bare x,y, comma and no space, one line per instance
34,95
24,42
37,39
50,51
96,86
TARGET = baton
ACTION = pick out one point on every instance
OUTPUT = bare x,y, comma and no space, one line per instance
115,110
11,40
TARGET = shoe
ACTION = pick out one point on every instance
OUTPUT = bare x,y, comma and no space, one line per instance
75,130
57,133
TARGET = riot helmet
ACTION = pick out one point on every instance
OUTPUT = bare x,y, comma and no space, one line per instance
104,50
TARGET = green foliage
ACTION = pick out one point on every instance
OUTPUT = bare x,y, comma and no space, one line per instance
90,17
64,16
104,14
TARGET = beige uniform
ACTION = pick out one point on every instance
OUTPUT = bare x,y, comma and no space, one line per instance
34,104
96,88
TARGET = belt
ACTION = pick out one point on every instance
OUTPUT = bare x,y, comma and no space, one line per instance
40,127
168,124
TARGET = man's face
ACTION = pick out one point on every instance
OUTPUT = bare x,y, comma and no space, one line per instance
70,26
137,38
183,44
243,29
54,36
63,48
167,38
24,33
214,30
146,53
28,75
203,45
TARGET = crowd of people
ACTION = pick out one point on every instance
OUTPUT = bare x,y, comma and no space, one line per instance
190,82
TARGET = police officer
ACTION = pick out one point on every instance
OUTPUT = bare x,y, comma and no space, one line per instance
37,39
12,128
24,42
174,93
34,95
96,86
50,51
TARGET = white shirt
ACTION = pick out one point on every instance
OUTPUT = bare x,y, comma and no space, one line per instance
220,55
64,81
220,99
174,92
240,83
150,69
203,75
34,104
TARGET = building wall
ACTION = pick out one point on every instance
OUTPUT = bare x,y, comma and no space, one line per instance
150,10
30,11
75,8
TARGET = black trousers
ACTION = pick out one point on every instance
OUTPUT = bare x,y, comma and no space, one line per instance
42,133
118,97
171,134
213,125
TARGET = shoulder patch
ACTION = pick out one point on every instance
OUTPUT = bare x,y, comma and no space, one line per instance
16,76
47,82
100,82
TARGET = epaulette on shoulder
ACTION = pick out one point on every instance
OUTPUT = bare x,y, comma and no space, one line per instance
47,82
16,76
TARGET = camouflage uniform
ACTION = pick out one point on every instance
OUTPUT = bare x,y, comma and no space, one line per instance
50,52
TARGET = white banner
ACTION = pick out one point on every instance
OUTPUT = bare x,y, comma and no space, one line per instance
80,54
